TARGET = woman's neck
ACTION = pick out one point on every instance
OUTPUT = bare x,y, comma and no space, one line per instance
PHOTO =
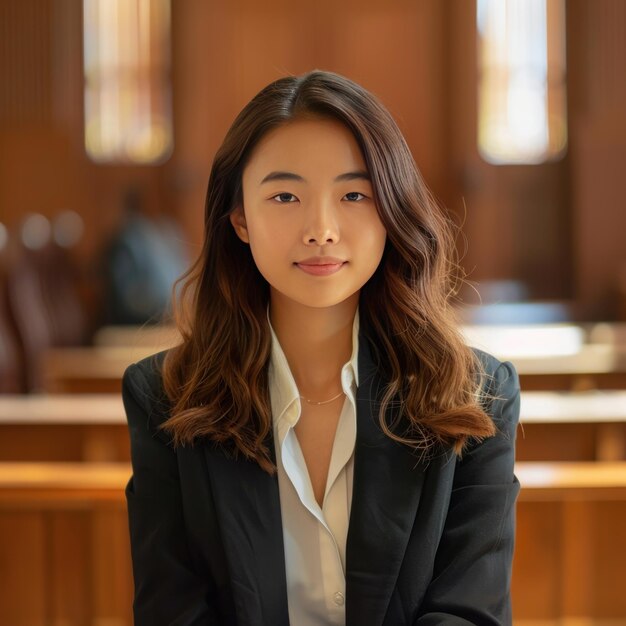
317,342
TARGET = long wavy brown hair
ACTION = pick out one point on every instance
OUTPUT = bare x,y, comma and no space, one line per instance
217,377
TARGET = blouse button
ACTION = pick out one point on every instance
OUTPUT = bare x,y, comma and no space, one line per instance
338,598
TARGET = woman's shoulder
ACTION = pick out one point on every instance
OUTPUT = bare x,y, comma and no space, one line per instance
142,385
147,370
494,369
501,387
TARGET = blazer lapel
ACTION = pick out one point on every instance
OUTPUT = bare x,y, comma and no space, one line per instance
387,485
248,508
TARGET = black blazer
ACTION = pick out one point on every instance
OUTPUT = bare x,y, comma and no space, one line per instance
428,543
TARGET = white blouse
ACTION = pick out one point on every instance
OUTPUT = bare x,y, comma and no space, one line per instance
314,537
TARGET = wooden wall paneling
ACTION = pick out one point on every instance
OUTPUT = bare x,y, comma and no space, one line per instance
610,440
609,552
568,565
408,76
24,560
63,442
224,54
592,566
45,443
108,443
66,63
535,586
205,56
111,574
542,224
555,442
71,566
583,550
469,181
64,545
576,573
574,381
25,37
599,165
37,170
65,566
518,222
41,138
597,75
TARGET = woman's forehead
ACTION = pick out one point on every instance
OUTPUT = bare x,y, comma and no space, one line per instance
323,146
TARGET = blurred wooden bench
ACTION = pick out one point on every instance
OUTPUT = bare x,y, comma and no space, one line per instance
548,357
63,427
572,426
99,368
558,356
555,426
154,337
88,369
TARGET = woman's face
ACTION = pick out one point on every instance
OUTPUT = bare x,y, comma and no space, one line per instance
306,193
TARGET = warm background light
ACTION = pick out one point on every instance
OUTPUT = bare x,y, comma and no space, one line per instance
127,82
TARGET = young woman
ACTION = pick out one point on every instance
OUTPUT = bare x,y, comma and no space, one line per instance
322,447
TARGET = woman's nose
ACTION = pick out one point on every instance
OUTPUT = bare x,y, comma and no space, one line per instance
321,224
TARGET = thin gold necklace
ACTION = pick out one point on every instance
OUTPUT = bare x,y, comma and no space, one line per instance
324,401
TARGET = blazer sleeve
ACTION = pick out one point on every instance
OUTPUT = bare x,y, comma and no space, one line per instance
167,589
472,570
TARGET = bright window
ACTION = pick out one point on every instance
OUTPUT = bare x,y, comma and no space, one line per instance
521,92
127,80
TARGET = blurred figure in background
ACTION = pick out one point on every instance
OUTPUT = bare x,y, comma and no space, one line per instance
141,263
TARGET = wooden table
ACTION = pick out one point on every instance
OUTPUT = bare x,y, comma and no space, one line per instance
548,357
558,357
88,369
92,408
99,368
555,426
154,337
59,427
572,426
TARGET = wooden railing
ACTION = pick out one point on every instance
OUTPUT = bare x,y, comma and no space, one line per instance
588,426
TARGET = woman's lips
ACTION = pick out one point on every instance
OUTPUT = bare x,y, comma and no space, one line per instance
321,270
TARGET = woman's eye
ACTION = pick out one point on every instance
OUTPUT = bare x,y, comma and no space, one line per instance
286,198
282,199
354,193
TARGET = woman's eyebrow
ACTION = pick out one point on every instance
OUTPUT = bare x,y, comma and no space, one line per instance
291,176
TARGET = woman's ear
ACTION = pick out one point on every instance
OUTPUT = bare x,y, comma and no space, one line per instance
238,220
